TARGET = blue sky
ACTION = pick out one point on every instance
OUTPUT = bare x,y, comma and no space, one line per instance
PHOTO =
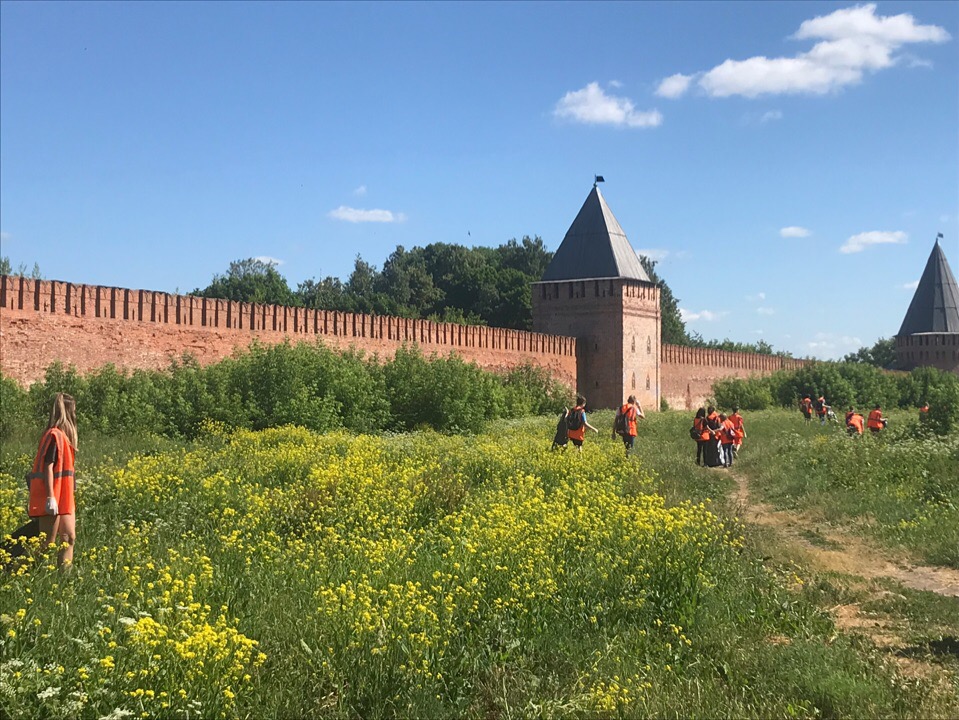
789,164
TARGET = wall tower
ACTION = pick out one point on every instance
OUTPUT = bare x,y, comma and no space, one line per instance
596,290
929,336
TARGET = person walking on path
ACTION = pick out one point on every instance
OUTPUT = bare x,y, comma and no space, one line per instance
52,478
727,436
713,456
624,423
805,406
876,421
577,424
701,435
740,428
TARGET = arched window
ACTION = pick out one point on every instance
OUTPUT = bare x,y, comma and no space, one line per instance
634,343
633,386
647,381
649,345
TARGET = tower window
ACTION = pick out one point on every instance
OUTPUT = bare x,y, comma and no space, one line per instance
649,345
647,381
633,385
634,343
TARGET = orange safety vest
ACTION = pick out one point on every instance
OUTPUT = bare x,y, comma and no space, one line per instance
700,424
728,434
630,412
713,426
63,475
806,406
821,410
737,421
875,420
854,420
581,433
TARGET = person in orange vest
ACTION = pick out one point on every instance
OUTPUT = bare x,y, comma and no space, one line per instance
821,409
624,424
876,421
924,412
854,422
577,424
805,406
52,478
727,436
700,433
713,454
740,428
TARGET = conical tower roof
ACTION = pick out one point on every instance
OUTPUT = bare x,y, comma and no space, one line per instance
935,306
595,246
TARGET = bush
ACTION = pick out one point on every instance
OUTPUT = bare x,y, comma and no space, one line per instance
751,394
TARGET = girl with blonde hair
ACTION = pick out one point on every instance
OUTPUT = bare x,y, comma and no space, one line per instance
52,478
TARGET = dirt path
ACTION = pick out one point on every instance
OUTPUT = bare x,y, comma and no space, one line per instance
829,549
837,551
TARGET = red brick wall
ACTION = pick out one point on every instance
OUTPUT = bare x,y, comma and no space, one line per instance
689,373
88,326
938,350
606,316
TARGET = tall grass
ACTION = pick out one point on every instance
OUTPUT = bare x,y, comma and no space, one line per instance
283,573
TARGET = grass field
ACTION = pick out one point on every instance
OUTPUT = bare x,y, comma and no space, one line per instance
289,574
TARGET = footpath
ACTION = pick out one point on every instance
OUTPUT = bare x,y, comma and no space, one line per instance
823,548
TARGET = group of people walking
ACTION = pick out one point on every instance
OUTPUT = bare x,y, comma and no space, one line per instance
856,424
573,424
718,436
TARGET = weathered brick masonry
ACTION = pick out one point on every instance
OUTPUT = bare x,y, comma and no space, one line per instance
88,326
689,373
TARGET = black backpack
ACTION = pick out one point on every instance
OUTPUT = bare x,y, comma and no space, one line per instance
694,433
621,424
576,419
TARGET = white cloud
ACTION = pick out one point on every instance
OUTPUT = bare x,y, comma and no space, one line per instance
757,297
615,83
707,315
858,243
794,231
851,42
674,86
654,254
360,191
355,215
770,115
832,346
592,106
765,311
910,285
266,259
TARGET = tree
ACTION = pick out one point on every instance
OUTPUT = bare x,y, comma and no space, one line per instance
250,280
882,354
6,268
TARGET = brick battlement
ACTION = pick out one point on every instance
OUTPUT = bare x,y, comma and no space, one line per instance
86,320
689,372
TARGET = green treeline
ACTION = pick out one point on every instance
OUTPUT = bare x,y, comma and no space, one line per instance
306,384
845,385
442,282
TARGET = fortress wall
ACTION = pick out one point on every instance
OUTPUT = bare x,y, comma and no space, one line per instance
89,325
688,373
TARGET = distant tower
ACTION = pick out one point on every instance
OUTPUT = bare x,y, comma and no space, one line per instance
596,290
929,336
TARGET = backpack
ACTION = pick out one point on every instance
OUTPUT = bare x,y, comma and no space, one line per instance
621,424
694,433
575,419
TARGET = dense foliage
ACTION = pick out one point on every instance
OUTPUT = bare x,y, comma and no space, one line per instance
843,385
882,354
308,385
